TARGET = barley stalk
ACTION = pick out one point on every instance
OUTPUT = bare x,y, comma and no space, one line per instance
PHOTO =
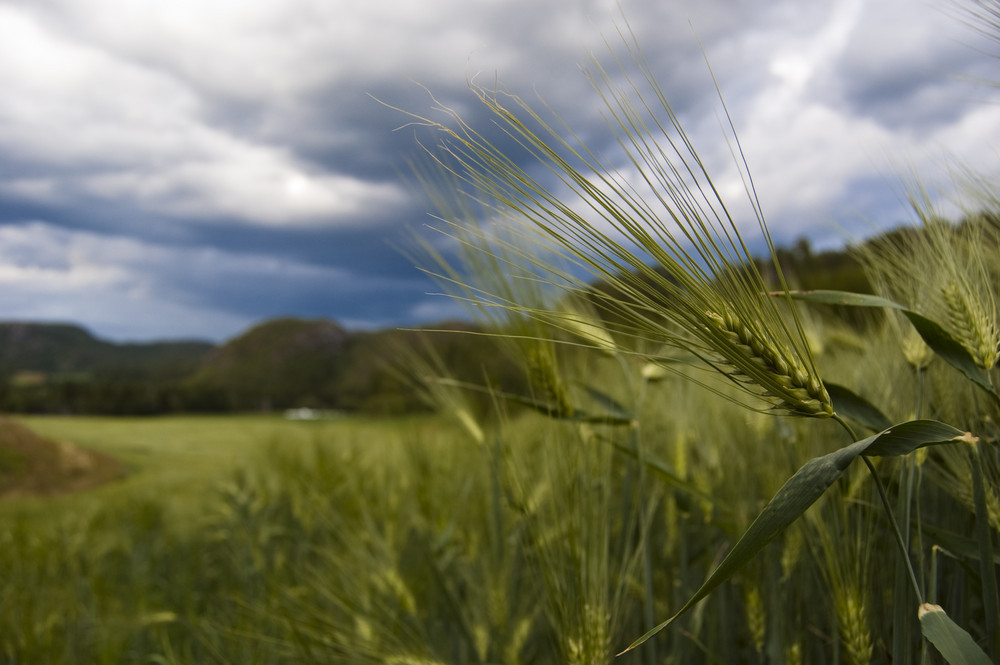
546,379
512,650
852,619
671,256
592,644
974,328
915,350
756,618
793,654
791,552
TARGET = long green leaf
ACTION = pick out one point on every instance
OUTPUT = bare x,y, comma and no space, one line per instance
547,408
851,405
609,403
956,545
984,534
904,438
803,489
934,335
666,473
954,643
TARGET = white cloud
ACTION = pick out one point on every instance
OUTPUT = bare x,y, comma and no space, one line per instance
808,147
128,289
124,132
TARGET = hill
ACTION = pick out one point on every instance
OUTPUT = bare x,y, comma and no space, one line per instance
275,365
282,363
38,351
289,363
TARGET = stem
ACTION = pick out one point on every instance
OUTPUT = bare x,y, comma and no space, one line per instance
895,528
649,612
920,392
888,512
985,538
903,635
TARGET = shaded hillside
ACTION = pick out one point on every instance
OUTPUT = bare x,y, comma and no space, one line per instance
278,364
59,368
57,350
287,363
274,365
370,380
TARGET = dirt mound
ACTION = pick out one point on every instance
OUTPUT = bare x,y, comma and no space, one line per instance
31,465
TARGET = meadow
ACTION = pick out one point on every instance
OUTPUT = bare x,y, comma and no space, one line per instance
199,551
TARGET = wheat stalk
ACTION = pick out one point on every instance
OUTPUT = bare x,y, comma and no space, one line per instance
853,623
661,238
971,324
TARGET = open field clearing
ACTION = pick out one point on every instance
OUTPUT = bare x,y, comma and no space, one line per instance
177,459
193,548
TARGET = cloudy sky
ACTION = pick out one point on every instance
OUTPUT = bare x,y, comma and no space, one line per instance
186,168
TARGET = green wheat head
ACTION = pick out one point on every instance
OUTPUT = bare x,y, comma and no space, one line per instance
652,228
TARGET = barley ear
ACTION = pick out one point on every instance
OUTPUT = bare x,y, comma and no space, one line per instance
972,326
756,358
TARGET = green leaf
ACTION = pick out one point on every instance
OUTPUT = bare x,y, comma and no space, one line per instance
951,351
984,534
934,335
954,643
955,545
904,438
851,405
666,473
803,489
546,408
610,404
848,298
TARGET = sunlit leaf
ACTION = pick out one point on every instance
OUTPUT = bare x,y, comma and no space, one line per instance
955,644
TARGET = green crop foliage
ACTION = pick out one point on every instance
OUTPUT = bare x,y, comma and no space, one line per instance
693,461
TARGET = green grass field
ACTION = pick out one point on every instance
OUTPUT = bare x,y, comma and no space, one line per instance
171,563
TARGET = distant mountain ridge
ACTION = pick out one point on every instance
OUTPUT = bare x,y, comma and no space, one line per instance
277,364
56,349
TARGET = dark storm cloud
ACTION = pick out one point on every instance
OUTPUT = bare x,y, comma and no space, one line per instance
904,74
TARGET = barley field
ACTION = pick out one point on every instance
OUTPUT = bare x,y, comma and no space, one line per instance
515,532
709,466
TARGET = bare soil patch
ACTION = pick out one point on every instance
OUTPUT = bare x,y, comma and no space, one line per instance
32,465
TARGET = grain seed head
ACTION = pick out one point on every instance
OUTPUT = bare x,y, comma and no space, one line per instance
757,359
854,632
972,326
646,221
947,272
